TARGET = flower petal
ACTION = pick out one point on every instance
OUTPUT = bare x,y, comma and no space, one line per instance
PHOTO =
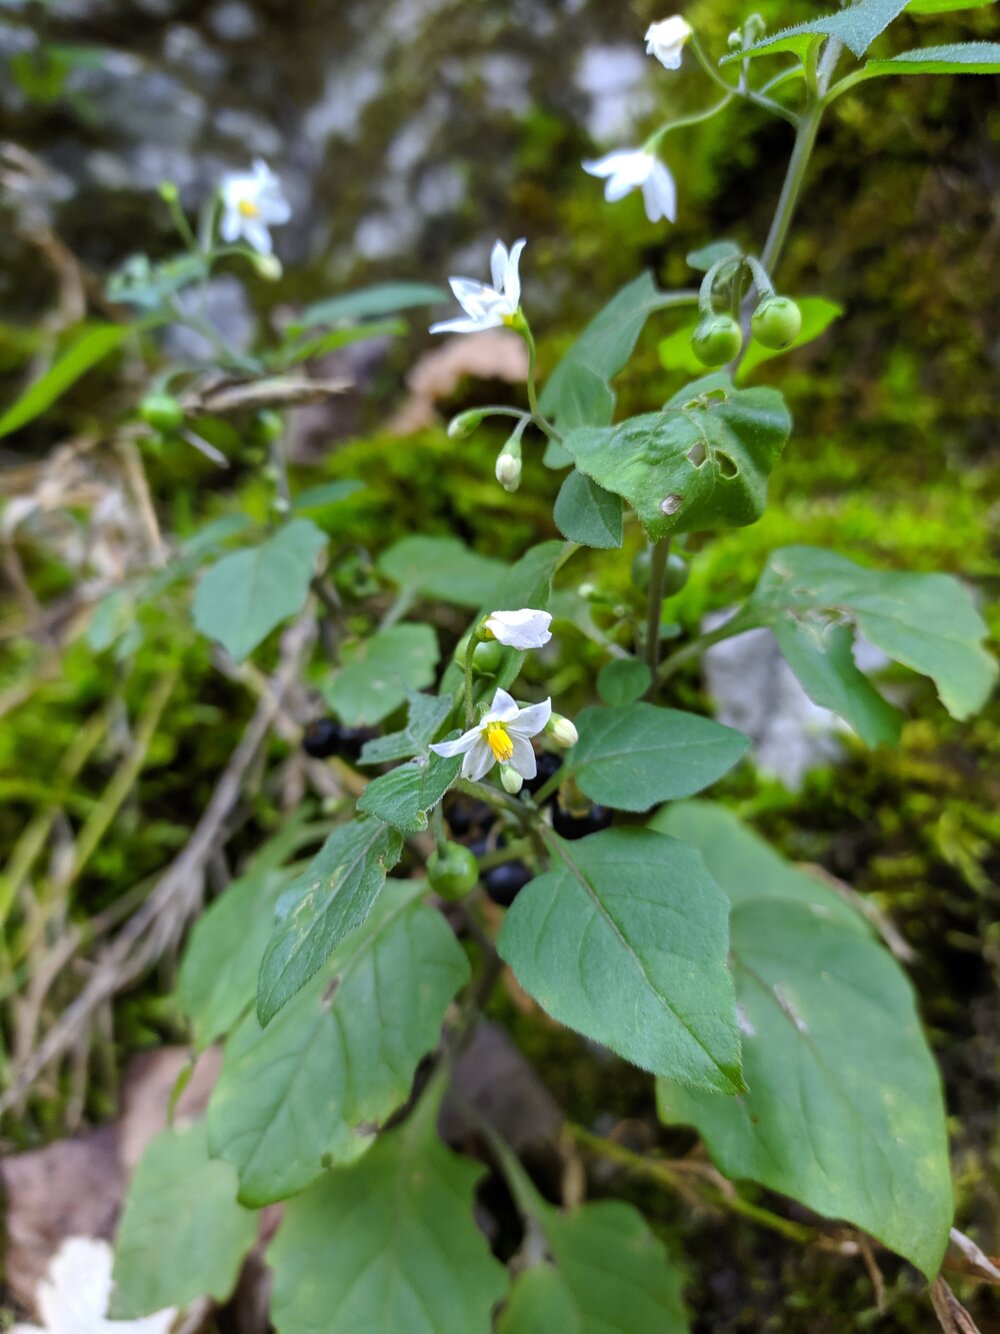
502,709
512,276
659,194
498,265
525,628
478,761
531,720
523,758
459,746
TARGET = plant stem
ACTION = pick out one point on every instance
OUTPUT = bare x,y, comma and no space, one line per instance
682,122
663,1172
654,605
805,139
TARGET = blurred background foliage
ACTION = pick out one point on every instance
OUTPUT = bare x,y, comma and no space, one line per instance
409,134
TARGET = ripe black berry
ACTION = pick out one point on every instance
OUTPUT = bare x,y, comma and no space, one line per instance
322,738
504,882
579,826
548,764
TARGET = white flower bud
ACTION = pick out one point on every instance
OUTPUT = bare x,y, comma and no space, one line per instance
268,266
508,470
666,40
562,731
511,779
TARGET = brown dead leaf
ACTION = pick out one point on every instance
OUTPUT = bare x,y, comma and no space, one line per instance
496,354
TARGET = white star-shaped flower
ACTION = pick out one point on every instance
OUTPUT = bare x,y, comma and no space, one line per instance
488,307
500,737
666,40
635,169
73,1296
252,203
523,629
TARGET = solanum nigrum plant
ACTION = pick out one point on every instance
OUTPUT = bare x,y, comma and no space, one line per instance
765,1005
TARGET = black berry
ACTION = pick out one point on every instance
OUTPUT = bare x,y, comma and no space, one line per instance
579,826
504,882
322,738
548,764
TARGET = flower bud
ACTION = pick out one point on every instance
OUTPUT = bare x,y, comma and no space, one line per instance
162,411
754,29
561,731
508,469
735,40
268,267
511,779
462,426
169,192
716,340
776,323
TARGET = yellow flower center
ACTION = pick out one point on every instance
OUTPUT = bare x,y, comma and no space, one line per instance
248,208
499,742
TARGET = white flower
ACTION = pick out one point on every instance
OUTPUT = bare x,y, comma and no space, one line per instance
666,40
488,307
525,628
252,203
633,169
500,737
74,1295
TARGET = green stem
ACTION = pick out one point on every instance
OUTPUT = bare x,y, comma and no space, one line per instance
737,90
682,122
654,604
737,625
548,787
543,424
663,1173
469,704
805,140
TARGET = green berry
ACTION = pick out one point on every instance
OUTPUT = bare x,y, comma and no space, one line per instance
162,412
776,322
487,657
716,340
270,426
640,568
453,872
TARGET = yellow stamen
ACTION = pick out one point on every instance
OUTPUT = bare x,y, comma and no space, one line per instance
499,742
248,208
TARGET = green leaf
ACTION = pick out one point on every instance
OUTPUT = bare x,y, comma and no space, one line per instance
703,258
822,658
623,681
322,497
388,1245
610,1275
703,462
528,582
637,755
403,796
92,345
159,1262
625,940
313,1087
586,513
857,27
956,58
945,6
319,346
241,599
744,865
578,391
817,315
442,567
924,621
322,906
844,1109
368,303
675,351
218,976
377,674
427,713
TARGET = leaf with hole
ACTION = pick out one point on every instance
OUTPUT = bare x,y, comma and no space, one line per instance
625,940
701,463
324,905
246,594
314,1086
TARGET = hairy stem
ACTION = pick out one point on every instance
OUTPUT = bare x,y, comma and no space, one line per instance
805,140
654,604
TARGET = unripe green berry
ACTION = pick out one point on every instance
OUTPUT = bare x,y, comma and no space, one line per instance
162,412
270,426
487,657
677,574
453,872
716,340
776,322
640,569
